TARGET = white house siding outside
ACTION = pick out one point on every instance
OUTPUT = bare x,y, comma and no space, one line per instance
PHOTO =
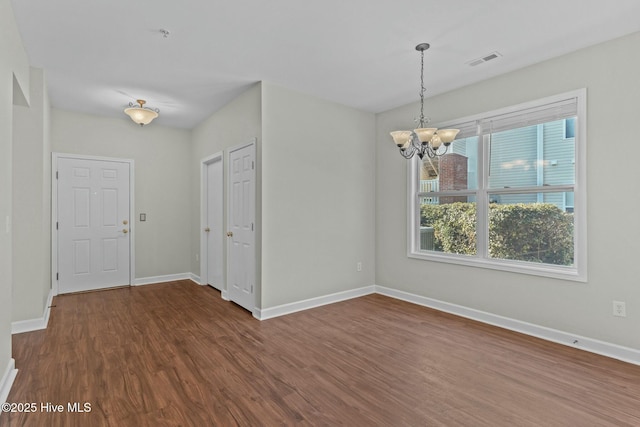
536,155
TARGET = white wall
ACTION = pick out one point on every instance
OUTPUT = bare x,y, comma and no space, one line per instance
236,123
161,156
317,197
610,73
31,203
13,62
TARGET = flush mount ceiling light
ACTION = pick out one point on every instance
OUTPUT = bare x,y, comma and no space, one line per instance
423,141
140,114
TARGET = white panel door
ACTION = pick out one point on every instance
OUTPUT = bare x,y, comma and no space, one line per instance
241,263
93,224
214,229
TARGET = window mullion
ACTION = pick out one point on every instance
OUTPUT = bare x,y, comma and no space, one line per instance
413,207
482,198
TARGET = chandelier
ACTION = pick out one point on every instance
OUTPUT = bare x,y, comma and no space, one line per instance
140,114
423,140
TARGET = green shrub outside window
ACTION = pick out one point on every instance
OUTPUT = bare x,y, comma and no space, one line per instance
538,232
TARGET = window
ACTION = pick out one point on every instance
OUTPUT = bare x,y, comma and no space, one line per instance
570,127
510,192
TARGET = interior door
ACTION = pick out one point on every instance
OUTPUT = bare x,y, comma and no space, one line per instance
241,234
93,224
214,228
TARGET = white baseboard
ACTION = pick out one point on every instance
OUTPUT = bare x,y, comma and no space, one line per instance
614,351
166,278
293,307
29,325
196,279
6,381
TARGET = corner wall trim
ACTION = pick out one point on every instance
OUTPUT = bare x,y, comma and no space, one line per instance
281,310
602,348
29,325
6,381
166,278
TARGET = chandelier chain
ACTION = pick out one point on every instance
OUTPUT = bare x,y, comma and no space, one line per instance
422,89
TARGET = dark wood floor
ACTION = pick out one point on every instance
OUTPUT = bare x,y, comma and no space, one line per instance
176,354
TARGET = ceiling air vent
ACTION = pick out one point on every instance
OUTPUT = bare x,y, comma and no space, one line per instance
486,58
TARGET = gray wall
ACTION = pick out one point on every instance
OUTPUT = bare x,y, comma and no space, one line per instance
236,123
161,157
32,202
13,65
609,72
318,161
315,186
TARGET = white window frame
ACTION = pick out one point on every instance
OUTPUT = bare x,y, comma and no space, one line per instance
576,272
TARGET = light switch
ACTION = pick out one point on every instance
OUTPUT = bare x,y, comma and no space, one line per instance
143,217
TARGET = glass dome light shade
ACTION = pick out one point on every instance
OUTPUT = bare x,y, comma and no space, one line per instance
401,137
447,135
425,134
141,115
435,142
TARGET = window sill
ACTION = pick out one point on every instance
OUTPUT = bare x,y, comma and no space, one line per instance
544,270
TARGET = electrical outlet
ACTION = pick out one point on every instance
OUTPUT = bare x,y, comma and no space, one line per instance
619,309
359,266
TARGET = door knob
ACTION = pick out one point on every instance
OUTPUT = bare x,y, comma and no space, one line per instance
125,222
229,233
207,229
125,231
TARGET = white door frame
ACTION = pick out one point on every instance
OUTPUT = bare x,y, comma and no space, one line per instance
228,151
204,191
54,212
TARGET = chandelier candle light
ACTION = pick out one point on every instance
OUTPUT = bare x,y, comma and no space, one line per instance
423,140
140,114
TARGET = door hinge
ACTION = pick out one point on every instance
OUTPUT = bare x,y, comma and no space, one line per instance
253,166
56,174
251,226
57,276
57,224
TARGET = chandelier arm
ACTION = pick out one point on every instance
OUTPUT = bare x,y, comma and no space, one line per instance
429,152
438,152
408,152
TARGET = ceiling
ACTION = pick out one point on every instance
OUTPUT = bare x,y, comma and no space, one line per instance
100,55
